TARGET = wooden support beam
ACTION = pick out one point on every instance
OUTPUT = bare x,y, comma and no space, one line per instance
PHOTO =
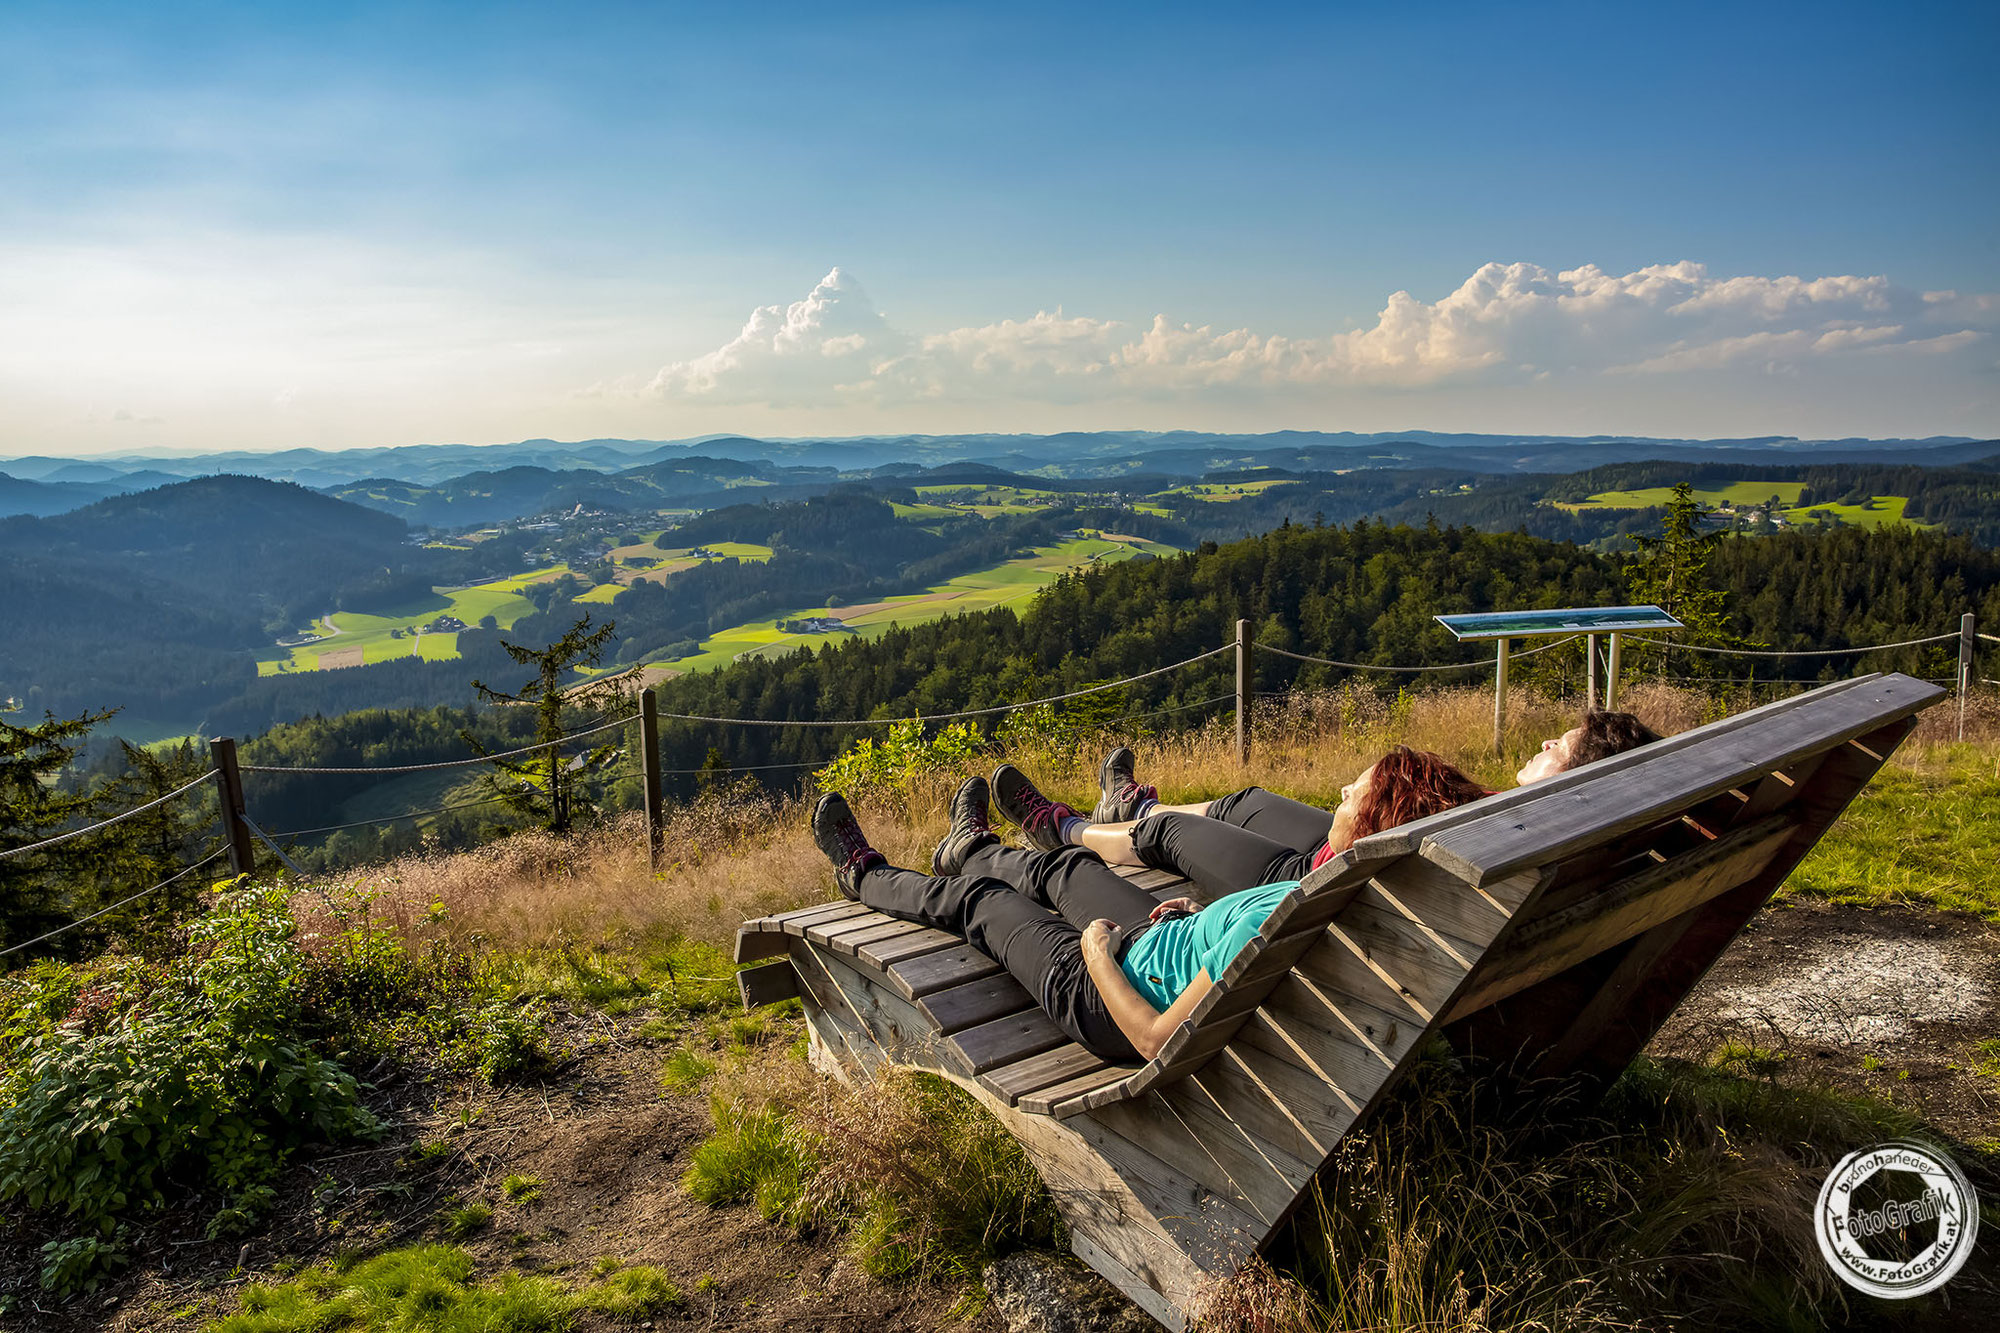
767,985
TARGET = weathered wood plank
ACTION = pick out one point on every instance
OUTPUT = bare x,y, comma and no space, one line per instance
767,985
976,1002
797,924
1043,1101
1005,1040
917,977
752,945
1544,947
1426,970
1012,1082
828,934
883,954
1567,816
849,942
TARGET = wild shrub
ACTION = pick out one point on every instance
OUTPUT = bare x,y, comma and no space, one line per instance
889,765
208,1081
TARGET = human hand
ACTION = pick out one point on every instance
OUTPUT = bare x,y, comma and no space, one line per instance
1174,906
1097,937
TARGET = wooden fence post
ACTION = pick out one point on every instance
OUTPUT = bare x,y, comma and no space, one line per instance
1243,692
1611,676
242,852
649,766
1968,632
1500,696
1589,673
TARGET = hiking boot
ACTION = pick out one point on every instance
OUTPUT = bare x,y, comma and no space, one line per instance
840,837
1122,794
970,828
1039,817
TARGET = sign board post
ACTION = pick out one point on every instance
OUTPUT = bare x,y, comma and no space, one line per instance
1587,621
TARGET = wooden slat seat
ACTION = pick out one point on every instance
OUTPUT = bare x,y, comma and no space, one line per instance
1549,930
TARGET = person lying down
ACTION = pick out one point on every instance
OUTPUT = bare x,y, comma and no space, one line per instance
1116,970
1254,836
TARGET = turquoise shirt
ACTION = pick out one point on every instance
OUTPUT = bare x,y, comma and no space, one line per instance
1165,960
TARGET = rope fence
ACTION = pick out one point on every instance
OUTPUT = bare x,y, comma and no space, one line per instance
64,929
1800,652
950,717
107,823
239,829
446,763
1449,666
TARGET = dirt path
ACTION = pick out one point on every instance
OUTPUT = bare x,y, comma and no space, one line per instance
1890,1001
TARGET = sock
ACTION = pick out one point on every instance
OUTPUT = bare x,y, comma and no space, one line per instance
1146,807
1071,829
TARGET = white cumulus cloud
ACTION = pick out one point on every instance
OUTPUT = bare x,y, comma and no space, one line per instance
1504,323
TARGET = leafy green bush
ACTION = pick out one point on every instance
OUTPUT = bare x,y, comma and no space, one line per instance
207,1080
890,764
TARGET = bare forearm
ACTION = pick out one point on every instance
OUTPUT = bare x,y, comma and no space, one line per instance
1131,1011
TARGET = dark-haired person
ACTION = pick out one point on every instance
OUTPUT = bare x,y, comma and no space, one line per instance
1117,971
1221,854
1599,736
1123,800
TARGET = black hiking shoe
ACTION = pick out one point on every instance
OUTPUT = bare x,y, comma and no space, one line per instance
840,837
1039,817
970,828
1122,794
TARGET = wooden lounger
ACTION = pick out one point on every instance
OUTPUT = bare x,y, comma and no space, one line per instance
1551,929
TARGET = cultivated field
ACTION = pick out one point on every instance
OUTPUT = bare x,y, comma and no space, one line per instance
1014,581
1888,508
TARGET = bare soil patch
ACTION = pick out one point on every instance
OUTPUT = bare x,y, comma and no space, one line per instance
1888,1001
342,657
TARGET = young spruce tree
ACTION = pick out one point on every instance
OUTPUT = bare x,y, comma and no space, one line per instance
545,786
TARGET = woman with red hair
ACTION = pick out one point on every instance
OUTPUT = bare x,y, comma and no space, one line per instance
1223,856
1115,970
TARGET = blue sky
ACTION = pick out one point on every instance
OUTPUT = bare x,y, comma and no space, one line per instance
266,226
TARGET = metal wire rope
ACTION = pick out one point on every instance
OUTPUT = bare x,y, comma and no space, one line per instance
386,819
1799,652
947,717
103,824
1372,666
114,906
449,763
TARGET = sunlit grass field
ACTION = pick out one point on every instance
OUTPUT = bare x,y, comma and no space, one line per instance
1888,508
1001,585
1223,492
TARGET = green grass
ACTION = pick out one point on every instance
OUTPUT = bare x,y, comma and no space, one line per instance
1926,830
433,1288
1224,492
1738,493
989,501
1010,583
923,511
501,598
1888,508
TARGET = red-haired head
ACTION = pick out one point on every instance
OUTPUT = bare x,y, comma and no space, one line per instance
1402,785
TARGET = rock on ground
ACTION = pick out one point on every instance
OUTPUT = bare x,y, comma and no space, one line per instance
1046,1293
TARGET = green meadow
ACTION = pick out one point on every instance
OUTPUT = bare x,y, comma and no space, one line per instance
991,500
1002,585
1224,492
374,637
1888,509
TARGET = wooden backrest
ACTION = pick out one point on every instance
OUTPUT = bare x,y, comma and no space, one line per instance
1432,922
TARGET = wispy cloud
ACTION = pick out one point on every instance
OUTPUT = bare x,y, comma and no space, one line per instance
1505,323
